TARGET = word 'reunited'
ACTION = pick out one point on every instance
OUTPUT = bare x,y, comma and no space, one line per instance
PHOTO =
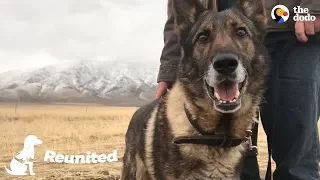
52,156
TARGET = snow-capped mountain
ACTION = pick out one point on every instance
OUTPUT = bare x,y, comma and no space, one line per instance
90,81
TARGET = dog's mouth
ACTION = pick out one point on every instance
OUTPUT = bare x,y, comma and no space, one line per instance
226,95
38,143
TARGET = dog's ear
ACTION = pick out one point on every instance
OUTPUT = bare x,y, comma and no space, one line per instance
27,142
185,13
254,10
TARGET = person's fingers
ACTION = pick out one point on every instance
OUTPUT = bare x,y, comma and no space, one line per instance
161,89
309,28
300,31
160,92
317,24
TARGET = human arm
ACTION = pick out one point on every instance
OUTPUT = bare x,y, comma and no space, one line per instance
170,57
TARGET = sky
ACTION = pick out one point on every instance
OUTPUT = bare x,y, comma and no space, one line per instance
36,33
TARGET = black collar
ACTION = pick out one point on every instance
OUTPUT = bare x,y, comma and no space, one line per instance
221,141
209,137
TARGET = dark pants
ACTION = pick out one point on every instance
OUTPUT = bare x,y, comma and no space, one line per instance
295,143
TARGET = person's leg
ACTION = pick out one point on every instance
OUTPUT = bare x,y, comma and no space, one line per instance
250,169
295,142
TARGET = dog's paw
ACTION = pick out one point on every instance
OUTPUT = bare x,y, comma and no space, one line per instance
32,174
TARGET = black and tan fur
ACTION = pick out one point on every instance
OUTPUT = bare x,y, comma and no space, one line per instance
150,153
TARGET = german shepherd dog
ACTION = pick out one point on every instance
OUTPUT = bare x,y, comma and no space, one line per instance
199,129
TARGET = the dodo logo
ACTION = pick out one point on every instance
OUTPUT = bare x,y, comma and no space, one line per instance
280,14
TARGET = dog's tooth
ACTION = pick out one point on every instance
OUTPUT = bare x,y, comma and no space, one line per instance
217,95
224,101
238,94
220,101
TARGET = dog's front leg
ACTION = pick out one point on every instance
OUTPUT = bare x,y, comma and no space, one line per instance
31,168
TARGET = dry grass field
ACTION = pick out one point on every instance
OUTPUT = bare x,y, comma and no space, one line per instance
71,129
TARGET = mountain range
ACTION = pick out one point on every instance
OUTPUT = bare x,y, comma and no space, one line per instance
108,82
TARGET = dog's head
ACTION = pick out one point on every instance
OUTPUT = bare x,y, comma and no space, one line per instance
31,141
223,58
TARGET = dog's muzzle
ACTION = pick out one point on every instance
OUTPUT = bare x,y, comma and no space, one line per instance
225,82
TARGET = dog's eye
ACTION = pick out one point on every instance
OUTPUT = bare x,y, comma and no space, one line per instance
203,36
241,32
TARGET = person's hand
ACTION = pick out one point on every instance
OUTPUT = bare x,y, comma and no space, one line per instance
162,88
302,29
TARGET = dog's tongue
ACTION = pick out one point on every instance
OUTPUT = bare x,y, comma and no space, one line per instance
227,90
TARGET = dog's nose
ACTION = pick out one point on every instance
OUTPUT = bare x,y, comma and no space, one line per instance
225,63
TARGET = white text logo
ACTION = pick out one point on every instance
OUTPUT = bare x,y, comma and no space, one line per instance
302,14
52,156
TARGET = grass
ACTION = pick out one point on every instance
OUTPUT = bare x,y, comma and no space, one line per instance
65,129
72,129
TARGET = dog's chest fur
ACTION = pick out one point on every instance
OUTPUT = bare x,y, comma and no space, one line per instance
214,164
167,161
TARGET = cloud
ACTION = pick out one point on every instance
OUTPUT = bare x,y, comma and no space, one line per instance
40,32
